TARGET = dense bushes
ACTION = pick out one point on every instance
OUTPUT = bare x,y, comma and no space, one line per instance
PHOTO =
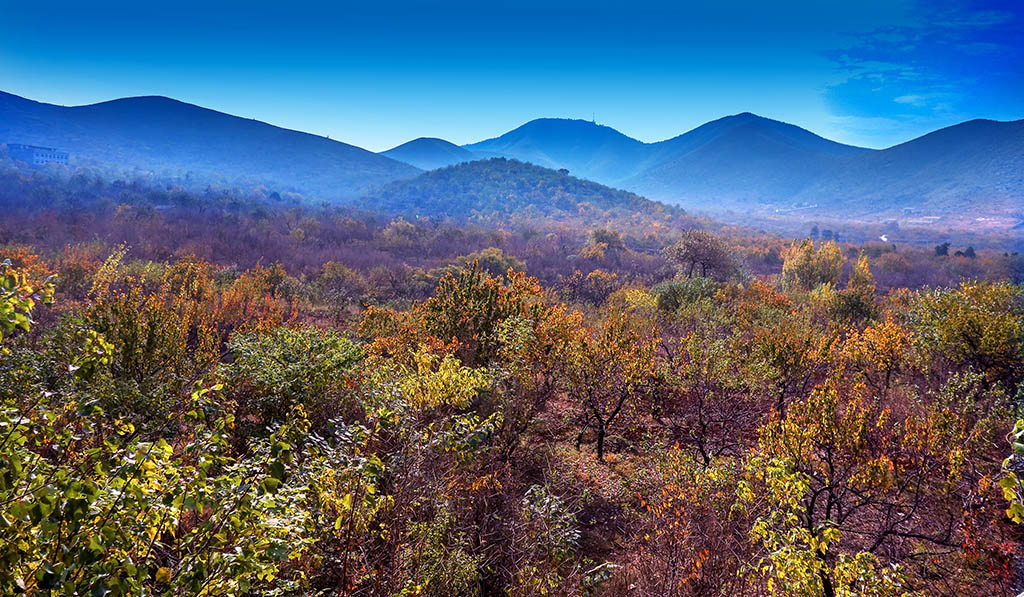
179,427
93,505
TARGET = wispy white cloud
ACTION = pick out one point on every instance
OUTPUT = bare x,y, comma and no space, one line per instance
914,100
954,61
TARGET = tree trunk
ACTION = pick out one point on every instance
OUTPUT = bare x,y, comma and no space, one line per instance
826,582
826,585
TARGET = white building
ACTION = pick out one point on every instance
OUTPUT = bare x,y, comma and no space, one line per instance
35,155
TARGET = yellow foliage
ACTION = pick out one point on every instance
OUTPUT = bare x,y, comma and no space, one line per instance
805,266
441,381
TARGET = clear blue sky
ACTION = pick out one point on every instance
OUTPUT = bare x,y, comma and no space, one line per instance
377,73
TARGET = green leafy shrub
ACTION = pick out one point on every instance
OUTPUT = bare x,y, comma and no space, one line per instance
274,371
675,293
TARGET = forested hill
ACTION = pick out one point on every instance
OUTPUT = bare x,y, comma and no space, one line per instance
506,189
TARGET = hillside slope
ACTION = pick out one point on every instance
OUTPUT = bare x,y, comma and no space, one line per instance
172,137
973,166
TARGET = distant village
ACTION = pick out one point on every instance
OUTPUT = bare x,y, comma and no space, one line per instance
36,155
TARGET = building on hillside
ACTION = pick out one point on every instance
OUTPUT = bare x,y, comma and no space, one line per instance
36,155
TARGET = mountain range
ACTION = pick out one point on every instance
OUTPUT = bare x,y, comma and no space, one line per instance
742,164
750,163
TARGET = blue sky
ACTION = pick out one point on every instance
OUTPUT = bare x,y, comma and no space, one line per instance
871,72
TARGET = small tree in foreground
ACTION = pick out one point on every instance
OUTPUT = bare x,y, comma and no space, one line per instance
608,372
701,253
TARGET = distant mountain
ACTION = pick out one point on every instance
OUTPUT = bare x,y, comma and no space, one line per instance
168,136
747,123
430,153
738,162
586,149
498,189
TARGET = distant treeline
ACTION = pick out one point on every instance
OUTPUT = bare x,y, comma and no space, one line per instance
51,209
